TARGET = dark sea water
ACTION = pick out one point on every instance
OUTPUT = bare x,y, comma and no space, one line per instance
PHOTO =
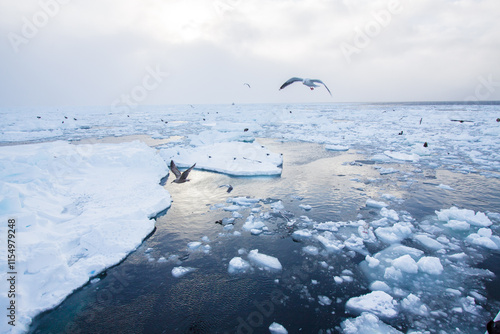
140,295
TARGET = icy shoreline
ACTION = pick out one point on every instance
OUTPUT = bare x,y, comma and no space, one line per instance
79,209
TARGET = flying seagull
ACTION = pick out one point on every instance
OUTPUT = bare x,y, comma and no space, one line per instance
180,178
246,84
311,83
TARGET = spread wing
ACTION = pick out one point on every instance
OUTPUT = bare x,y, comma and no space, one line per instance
321,82
186,173
290,81
174,169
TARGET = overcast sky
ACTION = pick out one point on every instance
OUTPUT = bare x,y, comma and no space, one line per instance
81,52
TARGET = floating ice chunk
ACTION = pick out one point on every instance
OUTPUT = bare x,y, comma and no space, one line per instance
231,208
458,257
237,265
374,204
324,300
372,262
391,214
205,239
327,226
428,242
393,234
301,235
445,187
482,238
311,250
330,243
256,231
431,265
413,304
379,286
251,223
331,147
356,244
305,207
377,302
277,206
194,245
245,201
402,156
406,264
264,261
392,273
276,328
338,279
233,158
457,225
469,216
181,271
386,171
367,323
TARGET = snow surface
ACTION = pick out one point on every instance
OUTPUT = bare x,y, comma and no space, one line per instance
233,158
79,209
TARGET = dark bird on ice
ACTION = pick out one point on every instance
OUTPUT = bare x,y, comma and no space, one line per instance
180,178
311,83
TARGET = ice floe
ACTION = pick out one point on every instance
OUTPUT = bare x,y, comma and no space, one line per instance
233,158
79,209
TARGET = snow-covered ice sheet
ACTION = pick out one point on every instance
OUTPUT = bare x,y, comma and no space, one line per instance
79,209
233,158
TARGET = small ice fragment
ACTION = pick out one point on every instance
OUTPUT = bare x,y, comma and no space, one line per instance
457,225
276,328
277,206
379,286
367,323
374,204
264,261
377,302
431,265
237,265
205,239
339,148
311,250
181,271
162,259
255,231
372,262
406,264
194,245
301,235
469,216
232,208
428,242
324,300
305,207
445,187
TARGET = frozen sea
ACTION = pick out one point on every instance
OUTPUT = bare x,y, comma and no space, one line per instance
343,218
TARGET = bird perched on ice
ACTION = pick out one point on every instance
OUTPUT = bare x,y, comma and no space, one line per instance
180,178
311,83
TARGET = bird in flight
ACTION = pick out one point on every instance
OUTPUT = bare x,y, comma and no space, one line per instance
311,83
247,84
180,178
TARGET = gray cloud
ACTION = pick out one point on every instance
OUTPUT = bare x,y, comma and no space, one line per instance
91,53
